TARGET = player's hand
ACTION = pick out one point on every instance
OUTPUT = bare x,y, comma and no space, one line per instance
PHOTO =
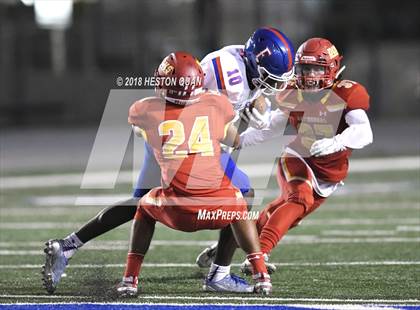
326,146
254,118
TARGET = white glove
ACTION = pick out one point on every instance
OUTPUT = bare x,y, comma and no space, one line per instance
254,118
327,146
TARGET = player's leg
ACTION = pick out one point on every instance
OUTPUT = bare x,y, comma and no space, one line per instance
246,236
59,251
222,256
141,235
118,214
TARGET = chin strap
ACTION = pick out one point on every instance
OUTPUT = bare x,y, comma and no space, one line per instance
340,71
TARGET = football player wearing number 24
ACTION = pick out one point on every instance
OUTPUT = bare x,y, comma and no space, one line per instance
243,73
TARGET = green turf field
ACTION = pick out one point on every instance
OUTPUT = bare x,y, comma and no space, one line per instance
363,244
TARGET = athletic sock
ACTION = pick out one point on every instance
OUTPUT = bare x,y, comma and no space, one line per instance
70,245
278,224
259,270
133,265
218,272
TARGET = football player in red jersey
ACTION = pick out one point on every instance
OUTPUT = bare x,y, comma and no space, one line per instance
329,117
184,126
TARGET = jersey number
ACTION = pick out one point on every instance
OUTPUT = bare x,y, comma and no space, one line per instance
198,142
310,133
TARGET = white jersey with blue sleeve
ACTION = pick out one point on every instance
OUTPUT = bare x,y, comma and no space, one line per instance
225,71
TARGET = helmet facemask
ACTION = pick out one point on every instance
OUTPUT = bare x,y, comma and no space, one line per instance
313,77
270,83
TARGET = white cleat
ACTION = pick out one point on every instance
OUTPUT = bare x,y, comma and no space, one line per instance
128,287
231,283
55,264
206,257
262,284
246,266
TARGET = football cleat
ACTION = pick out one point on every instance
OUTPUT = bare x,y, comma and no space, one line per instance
229,284
262,284
206,257
55,264
128,287
246,266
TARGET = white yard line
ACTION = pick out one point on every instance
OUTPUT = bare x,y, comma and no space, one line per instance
326,303
260,194
351,233
227,298
254,170
110,245
190,265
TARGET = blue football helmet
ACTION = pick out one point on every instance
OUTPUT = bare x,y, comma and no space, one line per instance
269,56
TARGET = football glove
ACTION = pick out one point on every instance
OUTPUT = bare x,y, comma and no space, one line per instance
327,146
254,118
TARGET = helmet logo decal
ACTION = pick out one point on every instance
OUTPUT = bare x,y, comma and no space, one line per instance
332,52
263,53
166,67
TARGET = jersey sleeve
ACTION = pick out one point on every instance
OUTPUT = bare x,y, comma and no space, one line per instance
224,73
357,97
137,113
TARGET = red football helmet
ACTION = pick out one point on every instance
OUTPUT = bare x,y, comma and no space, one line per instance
317,64
179,78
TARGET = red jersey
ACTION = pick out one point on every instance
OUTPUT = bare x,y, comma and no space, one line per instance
323,118
186,140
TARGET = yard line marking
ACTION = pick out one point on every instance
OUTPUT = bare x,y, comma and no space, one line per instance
190,265
306,222
253,170
292,239
291,306
260,194
358,232
408,228
176,297
365,221
278,299
312,240
288,240
43,297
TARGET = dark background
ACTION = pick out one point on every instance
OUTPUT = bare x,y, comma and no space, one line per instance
380,41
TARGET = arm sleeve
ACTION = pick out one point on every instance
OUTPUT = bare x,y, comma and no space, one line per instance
359,133
276,128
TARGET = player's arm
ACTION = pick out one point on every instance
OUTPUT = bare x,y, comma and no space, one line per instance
357,135
275,129
136,118
231,136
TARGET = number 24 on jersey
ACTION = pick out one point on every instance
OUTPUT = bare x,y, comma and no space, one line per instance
198,142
